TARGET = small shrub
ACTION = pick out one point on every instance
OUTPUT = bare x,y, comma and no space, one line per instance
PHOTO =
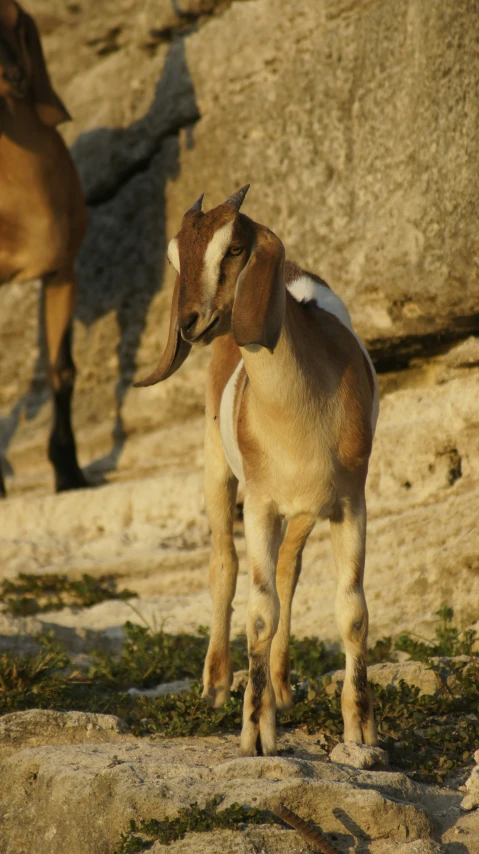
33,594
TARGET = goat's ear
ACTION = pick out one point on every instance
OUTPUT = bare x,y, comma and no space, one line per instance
258,308
176,349
50,110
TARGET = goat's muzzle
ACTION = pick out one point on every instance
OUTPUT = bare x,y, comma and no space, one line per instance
195,330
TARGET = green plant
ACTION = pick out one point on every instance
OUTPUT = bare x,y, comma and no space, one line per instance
192,819
33,594
449,640
427,736
310,658
35,676
148,658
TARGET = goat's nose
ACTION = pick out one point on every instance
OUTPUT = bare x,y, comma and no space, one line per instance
187,322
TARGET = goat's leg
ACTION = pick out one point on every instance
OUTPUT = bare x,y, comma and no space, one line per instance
263,535
220,494
287,575
348,534
58,305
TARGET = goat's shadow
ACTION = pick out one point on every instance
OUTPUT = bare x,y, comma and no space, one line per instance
357,839
124,173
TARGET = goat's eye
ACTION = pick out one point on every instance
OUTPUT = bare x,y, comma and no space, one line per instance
235,250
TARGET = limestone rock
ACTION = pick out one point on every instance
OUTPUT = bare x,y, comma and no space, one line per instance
415,673
82,796
386,217
40,727
310,128
360,756
471,801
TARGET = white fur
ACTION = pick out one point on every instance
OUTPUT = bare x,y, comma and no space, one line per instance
305,288
173,254
228,427
215,252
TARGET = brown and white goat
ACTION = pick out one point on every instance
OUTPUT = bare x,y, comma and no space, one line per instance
291,408
42,214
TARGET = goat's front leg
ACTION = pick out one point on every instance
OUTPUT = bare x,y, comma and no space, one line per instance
58,305
220,494
263,534
348,534
287,575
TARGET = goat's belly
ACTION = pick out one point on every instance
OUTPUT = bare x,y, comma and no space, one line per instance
316,500
31,248
306,487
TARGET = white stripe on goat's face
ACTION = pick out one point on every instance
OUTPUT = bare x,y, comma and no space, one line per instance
214,254
174,254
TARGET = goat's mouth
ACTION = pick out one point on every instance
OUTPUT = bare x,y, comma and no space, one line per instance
203,337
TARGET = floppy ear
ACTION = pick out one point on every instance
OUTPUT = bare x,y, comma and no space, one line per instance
50,110
258,308
176,349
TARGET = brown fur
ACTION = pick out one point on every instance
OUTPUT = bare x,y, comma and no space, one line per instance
259,303
176,350
301,420
226,355
42,212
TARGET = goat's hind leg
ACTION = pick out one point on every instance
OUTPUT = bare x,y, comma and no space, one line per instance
220,494
58,305
348,534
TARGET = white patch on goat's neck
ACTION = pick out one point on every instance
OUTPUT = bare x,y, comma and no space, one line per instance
306,288
173,254
228,427
215,252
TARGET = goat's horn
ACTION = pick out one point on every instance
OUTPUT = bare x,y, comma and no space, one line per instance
237,198
197,205
176,349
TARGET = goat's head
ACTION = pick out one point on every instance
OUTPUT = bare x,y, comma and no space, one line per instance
23,72
230,278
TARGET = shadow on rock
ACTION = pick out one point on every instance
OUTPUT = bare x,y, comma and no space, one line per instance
356,838
124,173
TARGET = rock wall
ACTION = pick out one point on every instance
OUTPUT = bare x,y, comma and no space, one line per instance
355,124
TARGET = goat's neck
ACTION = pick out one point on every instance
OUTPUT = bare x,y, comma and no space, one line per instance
282,380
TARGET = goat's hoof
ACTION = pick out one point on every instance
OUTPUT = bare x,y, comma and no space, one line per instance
257,743
72,480
283,695
216,696
362,733
257,749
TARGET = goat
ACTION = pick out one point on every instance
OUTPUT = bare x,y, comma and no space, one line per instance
42,215
291,408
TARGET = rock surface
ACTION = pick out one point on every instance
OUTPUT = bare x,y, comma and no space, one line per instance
356,125
36,727
111,784
471,801
360,756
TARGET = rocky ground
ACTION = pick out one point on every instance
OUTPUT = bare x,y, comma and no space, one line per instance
357,130
51,760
